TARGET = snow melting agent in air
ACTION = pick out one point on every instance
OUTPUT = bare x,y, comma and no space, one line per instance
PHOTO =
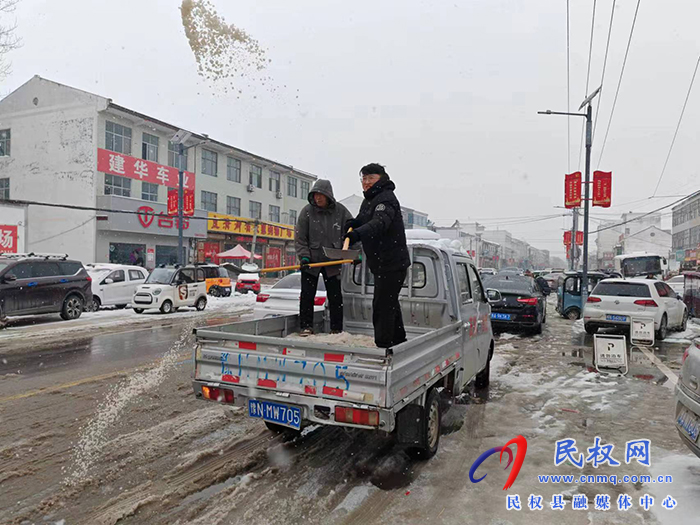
95,434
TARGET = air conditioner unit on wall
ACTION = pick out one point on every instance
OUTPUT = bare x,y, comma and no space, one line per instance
279,194
251,188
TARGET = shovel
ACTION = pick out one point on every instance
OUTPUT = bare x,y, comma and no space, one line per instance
298,266
335,253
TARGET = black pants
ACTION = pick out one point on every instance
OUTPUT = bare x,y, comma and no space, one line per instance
334,295
386,310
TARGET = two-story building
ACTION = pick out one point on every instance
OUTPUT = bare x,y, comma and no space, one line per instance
686,232
115,167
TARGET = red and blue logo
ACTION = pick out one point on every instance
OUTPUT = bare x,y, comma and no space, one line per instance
521,443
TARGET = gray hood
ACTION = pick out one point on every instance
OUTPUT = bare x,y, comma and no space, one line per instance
324,187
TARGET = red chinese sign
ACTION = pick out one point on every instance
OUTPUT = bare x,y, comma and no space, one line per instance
572,190
273,258
147,215
579,238
187,202
139,169
8,239
602,188
567,238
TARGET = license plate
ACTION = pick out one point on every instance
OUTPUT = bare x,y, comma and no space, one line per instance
688,423
275,413
502,317
621,318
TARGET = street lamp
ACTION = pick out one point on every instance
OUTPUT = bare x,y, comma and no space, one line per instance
588,115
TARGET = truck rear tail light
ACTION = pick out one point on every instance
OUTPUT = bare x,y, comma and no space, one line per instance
218,394
646,302
532,301
262,297
593,300
357,416
319,301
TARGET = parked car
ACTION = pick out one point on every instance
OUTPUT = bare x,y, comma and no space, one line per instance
169,288
520,303
218,280
511,270
614,302
678,284
486,272
688,399
248,282
43,284
114,284
283,297
552,279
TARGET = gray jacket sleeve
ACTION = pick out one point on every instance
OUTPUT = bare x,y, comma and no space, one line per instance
301,235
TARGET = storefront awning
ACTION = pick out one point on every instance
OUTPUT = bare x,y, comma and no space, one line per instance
239,252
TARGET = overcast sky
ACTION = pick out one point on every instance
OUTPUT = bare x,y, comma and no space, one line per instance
445,94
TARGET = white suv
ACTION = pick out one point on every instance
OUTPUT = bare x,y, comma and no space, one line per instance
614,302
114,284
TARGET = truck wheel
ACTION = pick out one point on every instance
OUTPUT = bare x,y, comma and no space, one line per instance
572,314
430,428
201,304
72,307
166,307
483,378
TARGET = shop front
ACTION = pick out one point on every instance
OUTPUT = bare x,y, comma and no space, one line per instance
274,242
148,237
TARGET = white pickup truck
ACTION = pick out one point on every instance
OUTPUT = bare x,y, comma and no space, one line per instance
289,381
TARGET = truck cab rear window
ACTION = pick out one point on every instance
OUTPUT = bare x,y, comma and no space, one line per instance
417,268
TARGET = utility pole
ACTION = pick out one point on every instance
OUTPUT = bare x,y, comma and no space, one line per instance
255,239
180,203
572,250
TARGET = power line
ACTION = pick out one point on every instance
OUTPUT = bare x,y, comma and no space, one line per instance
680,119
605,62
619,83
588,77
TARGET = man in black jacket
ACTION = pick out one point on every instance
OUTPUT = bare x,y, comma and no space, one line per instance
379,226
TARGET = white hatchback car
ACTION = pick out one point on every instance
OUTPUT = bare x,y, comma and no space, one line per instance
170,288
614,302
114,284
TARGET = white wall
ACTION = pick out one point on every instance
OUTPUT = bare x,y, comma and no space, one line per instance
53,159
651,240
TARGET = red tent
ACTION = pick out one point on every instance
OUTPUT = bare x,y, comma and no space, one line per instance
239,252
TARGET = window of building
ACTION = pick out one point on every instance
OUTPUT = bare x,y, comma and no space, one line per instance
233,169
166,255
149,147
292,186
209,162
233,206
4,142
124,253
293,217
5,188
274,213
115,185
209,200
255,176
118,138
149,192
174,156
304,189
255,210
274,181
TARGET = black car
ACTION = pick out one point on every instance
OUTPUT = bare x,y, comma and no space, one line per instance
520,302
43,284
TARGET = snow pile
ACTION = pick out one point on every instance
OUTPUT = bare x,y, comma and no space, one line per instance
341,339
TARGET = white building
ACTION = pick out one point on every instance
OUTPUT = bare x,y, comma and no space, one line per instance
606,242
651,239
52,138
412,219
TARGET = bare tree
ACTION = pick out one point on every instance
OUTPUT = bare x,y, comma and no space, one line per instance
8,39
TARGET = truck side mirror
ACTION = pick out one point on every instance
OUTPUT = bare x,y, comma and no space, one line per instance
493,296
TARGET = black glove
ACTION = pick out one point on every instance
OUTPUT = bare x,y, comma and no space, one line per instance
353,236
304,264
352,223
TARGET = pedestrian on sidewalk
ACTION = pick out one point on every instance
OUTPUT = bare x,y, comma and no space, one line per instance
379,226
320,224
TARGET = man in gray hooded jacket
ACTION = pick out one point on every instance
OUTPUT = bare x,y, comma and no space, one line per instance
320,224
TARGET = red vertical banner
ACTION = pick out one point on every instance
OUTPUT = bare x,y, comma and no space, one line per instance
602,188
572,190
567,238
172,201
8,238
579,238
188,203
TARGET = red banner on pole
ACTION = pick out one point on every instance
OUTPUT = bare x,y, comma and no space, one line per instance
567,237
572,190
602,188
579,238
188,203
172,201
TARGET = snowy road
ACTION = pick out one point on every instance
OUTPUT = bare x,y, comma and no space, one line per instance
108,431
